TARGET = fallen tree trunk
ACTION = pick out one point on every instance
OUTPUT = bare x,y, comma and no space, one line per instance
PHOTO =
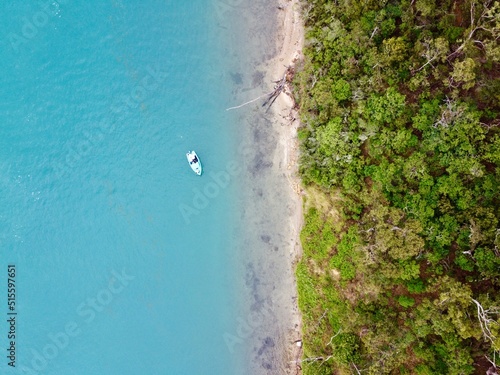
281,86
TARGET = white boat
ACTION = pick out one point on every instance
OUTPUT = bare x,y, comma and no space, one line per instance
194,162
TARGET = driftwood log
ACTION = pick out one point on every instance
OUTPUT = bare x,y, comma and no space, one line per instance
280,86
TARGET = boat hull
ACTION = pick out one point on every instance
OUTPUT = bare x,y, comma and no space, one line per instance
194,162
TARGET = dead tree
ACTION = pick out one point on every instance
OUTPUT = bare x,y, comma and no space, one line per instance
486,319
280,86
486,21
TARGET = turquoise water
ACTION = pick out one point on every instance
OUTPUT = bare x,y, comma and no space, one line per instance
123,256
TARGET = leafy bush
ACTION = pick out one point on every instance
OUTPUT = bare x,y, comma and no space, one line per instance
406,301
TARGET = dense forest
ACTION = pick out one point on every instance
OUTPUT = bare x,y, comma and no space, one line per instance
400,160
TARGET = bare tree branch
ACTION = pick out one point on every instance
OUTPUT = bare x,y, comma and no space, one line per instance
484,18
485,319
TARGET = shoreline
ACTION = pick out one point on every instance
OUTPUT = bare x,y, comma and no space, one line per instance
270,196
289,44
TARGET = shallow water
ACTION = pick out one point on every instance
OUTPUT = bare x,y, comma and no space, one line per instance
268,243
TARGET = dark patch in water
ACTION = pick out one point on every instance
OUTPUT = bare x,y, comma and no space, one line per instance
258,305
265,238
258,135
267,366
237,78
257,78
260,163
250,279
266,344
253,282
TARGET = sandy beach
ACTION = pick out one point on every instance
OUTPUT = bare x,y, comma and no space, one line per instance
290,40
